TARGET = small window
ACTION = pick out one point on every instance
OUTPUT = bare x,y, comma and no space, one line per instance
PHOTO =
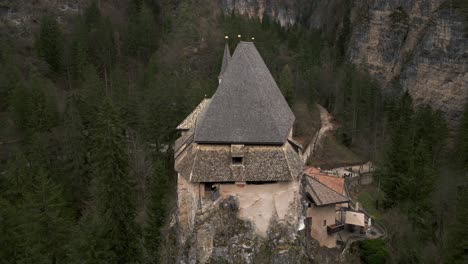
237,160
324,222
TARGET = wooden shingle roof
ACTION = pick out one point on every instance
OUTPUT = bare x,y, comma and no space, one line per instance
190,120
248,107
226,59
213,163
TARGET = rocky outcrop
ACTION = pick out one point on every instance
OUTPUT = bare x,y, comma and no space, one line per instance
284,11
220,236
415,45
23,15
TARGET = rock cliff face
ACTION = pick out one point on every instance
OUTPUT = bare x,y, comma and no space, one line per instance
418,45
220,236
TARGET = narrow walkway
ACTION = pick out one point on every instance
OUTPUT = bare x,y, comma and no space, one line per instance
327,125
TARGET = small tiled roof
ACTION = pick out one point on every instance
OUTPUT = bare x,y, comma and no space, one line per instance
321,194
213,163
248,107
333,182
191,119
226,59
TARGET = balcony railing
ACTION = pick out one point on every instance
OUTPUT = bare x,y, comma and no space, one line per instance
336,227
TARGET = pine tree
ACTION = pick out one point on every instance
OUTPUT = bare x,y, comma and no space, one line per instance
10,76
15,182
10,249
462,140
141,36
75,167
89,243
50,43
45,228
286,84
114,191
157,210
34,110
397,160
456,252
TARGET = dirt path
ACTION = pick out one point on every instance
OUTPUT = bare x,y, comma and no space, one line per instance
327,125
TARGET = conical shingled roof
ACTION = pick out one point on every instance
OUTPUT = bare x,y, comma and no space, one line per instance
226,59
248,107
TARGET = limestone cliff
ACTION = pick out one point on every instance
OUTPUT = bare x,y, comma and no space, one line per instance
418,45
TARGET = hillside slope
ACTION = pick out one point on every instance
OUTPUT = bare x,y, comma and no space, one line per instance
419,46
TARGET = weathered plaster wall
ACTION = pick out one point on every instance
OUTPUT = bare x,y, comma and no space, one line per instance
318,230
259,203
187,199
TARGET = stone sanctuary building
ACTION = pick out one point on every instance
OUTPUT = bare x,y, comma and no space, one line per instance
239,144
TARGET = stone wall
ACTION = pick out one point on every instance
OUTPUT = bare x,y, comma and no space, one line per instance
187,202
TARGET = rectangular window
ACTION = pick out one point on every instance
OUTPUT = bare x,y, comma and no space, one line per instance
324,222
237,160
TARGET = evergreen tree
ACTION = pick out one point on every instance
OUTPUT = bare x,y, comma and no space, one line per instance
395,167
92,15
45,227
75,162
15,181
114,191
456,251
89,244
462,140
78,50
10,247
90,96
10,77
141,36
286,84
50,43
157,210
33,109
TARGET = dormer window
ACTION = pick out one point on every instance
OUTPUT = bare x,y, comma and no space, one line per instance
236,160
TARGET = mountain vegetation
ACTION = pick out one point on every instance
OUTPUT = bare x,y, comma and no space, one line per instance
88,118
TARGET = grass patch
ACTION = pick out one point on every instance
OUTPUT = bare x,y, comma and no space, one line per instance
307,120
373,251
332,154
367,197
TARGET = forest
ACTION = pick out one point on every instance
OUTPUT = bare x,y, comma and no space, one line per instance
88,114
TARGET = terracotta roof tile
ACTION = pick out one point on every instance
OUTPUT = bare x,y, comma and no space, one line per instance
321,194
333,182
